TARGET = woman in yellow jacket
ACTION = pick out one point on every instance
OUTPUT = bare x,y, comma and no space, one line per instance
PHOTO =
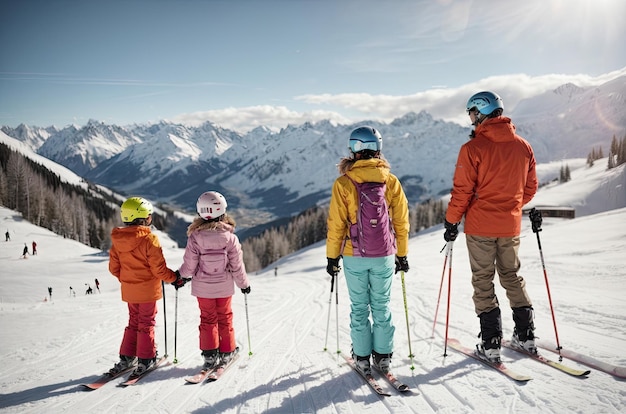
368,276
136,260
494,177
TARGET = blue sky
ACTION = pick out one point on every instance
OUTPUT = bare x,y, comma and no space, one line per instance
274,62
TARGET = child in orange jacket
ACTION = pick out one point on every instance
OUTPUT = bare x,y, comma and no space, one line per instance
136,259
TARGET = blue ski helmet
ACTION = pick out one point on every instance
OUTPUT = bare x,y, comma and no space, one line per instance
365,138
485,102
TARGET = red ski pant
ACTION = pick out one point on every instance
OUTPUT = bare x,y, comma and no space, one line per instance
139,334
216,324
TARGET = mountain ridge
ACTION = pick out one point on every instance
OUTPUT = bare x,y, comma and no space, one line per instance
282,173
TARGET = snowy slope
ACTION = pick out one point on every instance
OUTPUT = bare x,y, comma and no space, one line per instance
64,173
51,347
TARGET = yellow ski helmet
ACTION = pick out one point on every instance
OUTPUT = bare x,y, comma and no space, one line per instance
134,208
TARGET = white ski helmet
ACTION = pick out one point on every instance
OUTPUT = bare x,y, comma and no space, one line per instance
211,205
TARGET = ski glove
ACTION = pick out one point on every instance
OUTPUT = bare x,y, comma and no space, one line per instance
451,231
402,264
332,268
246,290
535,219
179,282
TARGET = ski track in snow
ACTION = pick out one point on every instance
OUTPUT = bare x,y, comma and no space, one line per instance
288,370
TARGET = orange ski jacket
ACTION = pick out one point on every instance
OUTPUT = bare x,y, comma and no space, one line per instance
494,177
136,259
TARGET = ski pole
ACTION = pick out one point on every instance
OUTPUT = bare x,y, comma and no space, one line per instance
443,273
330,303
337,310
406,314
445,349
175,325
164,317
245,298
536,215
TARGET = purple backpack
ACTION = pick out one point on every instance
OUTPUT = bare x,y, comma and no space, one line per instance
372,235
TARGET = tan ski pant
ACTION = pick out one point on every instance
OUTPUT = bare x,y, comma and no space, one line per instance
488,254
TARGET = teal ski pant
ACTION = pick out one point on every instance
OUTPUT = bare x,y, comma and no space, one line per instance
369,285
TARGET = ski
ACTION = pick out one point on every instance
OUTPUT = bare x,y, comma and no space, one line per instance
200,376
219,371
371,381
456,345
132,380
564,368
106,377
393,380
615,370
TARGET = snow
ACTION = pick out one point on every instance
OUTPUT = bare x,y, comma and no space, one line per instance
51,347
65,173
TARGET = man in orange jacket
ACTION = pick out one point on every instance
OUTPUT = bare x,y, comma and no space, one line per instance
136,259
494,177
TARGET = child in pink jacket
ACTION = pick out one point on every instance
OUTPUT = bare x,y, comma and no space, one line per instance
214,260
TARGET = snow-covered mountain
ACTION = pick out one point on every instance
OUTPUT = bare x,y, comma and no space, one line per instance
82,149
63,172
281,173
52,345
33,136
268,175
569,121
172,163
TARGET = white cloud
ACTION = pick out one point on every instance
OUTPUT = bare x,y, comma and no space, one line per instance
247,118
441,102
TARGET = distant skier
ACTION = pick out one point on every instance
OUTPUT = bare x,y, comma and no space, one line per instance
50,292
25,251
34,248
72,293
89,290
7,235
97,285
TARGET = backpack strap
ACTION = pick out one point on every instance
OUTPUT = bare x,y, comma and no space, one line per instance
348,224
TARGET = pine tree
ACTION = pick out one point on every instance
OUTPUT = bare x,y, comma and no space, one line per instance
621,152
564,175
614,145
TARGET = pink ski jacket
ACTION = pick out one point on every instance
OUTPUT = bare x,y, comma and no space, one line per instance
213,259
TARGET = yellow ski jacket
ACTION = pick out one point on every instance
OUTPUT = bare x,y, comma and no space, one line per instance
344,205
